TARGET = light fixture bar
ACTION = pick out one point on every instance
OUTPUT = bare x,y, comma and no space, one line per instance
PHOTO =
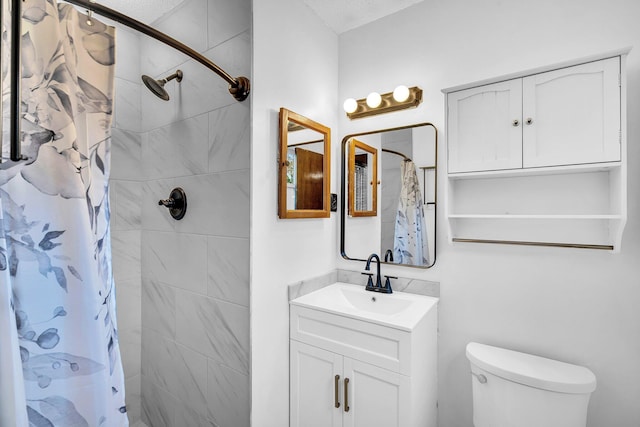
387,105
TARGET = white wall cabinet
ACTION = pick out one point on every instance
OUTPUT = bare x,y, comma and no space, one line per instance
345,372
572,115
539,157
484,131
561,117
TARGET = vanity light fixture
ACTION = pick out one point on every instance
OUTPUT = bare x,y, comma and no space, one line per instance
401,93
401,98
350,105
374,100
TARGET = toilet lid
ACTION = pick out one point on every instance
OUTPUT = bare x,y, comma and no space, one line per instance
534,371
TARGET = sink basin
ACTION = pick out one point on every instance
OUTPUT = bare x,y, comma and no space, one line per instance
400,310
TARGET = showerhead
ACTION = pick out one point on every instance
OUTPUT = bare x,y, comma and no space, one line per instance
157,86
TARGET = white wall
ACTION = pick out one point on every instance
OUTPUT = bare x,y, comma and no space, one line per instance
295,65
580,306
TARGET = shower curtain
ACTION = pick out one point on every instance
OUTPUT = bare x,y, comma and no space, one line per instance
410,243
59,353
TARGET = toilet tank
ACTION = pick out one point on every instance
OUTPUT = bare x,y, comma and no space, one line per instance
513,389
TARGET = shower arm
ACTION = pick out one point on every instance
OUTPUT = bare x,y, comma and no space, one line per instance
239,87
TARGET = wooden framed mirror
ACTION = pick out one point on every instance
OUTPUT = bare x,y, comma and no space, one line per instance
304,167
363,179
403,231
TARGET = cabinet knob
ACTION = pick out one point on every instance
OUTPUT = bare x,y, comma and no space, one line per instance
529,120
515,123
336,398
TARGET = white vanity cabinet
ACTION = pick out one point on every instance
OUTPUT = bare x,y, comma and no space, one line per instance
561,117
333,390
316,377
539,157
353,373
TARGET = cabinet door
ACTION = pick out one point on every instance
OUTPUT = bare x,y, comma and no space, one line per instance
312,386
572,115
484,125
376,397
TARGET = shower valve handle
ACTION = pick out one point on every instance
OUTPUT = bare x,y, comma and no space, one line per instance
169,203
176,203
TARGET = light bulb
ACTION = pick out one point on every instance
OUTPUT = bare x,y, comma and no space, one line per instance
374,99
401,93
350,105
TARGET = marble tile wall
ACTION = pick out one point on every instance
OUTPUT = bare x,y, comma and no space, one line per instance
195,272
183,287
126,213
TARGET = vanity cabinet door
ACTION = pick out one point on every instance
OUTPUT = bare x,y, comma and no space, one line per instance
330,390
312,386
376,397
572,115
484,127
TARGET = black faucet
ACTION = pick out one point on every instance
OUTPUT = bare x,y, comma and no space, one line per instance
386,289
388,256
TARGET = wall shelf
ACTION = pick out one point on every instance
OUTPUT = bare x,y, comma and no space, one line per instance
556,179
526,217
552,170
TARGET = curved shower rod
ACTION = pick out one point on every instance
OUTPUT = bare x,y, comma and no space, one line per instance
397,153
239,87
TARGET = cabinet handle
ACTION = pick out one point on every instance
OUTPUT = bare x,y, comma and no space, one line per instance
346,395
335,394
529,120
515,123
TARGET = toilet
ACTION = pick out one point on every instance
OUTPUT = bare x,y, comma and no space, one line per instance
513,389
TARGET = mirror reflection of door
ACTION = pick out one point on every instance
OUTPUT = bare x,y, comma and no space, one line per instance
304,167
309,182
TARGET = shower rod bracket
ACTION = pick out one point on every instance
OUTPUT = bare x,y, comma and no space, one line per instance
240,91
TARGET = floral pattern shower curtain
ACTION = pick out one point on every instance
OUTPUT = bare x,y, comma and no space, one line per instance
60,359
410,243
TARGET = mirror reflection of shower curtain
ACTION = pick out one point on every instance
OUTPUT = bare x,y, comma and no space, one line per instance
410,244
60,363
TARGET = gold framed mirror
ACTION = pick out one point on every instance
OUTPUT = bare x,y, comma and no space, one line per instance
304,167
403,232
363,179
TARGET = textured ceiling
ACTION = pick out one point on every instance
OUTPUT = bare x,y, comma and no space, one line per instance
345,15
